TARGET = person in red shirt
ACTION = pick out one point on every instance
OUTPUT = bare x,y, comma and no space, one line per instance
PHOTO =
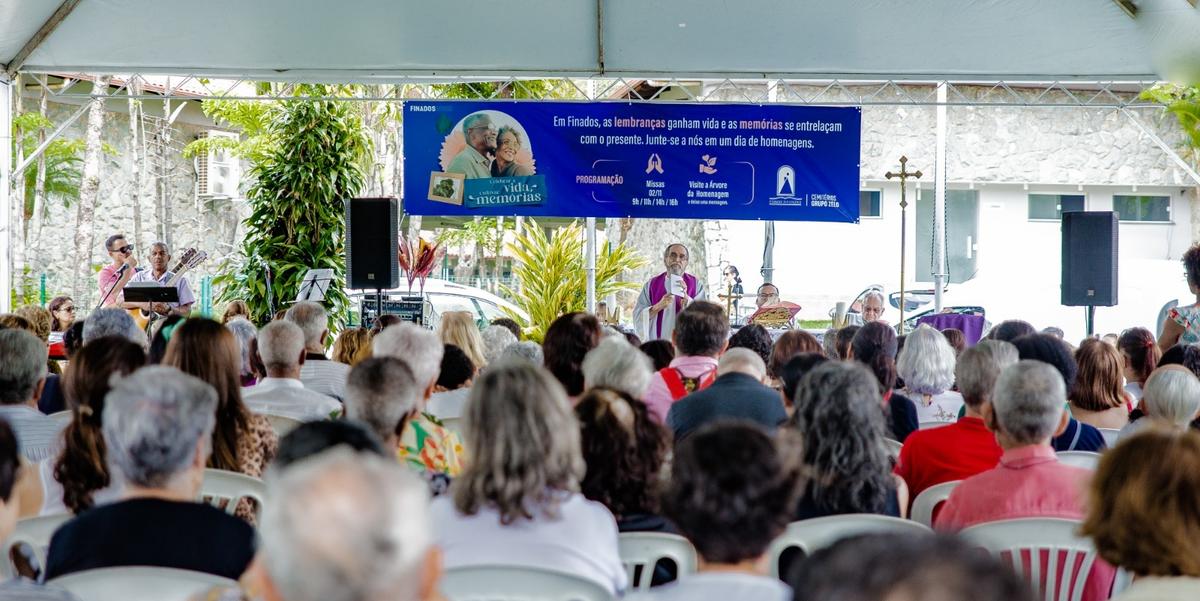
966,447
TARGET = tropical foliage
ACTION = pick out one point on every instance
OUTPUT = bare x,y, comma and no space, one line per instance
63,157
552,274
310,161
1184,103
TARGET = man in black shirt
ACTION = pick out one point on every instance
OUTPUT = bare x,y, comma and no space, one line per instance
738,393
158,423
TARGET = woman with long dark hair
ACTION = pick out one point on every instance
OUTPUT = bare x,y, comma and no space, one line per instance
1141,354
241,441
874,345
567,341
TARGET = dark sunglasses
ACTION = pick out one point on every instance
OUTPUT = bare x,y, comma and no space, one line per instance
124,249
67,309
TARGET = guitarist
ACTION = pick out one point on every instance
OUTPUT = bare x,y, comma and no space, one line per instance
115,275
160,259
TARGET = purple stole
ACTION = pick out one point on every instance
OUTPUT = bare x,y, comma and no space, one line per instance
658,289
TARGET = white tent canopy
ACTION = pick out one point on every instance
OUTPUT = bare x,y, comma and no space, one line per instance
377,40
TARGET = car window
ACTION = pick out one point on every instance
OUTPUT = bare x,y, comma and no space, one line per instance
489,310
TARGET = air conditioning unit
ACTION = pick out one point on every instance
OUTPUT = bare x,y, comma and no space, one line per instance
218,171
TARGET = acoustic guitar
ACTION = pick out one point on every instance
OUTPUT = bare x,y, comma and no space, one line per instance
187,261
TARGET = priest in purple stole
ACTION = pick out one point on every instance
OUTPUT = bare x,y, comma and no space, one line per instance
654,312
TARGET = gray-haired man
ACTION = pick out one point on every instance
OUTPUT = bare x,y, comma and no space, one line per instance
480,134
22,377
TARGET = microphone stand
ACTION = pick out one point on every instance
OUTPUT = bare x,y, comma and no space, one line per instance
120,272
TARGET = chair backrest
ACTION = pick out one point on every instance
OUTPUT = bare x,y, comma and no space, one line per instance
62,417
644,549
1084,459
453,424
223,489
518,583
36,533
814,534
139,583
927,502
282,424
933,424
1110,435
1045,550
893,447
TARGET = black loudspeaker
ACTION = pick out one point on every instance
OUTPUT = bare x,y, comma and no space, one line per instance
1089,258
372,225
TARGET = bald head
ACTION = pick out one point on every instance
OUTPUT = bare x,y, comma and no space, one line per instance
742,361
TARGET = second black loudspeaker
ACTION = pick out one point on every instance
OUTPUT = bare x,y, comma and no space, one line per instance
372,226
1089,258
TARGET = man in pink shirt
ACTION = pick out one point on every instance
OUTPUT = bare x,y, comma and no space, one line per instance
701,335
1025,413
115,275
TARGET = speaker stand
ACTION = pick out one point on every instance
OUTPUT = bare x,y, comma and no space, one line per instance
1090,318
378,304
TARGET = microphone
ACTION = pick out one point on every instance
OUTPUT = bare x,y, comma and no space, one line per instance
123,269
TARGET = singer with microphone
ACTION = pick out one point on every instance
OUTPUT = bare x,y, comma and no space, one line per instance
115,275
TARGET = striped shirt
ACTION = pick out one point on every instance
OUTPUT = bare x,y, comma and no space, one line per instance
19,589
289,398
324,376
37,433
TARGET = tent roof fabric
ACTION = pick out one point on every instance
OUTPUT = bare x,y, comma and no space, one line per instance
381,40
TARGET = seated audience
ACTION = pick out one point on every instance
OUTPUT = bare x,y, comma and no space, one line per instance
1078,436
525,350
495,340
22,378
1098,397
927,367
40,322
841,427
829,344
874,345
1012,329
700,336
624,450
162,337
661,353
385,321
352,346
79,477
632,338
790,344
453,383
1055,331
754,338
1140,355
424,443
242,441
513,502
157,426
281,348
112,322
1025,413
315,548
458,328
234,310
1142,513
318,373
793,372
731,494
510,325
1172,398
73,339
904,567
842,341
567,342
616,365
245,332
737,393
382,394
966,447
313,438
957,340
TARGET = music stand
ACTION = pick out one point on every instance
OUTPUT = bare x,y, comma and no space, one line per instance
315,285
150,292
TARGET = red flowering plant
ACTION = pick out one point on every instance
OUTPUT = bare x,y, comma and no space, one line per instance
418,260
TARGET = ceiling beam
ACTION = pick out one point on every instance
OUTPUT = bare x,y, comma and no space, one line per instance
1128,6
43,32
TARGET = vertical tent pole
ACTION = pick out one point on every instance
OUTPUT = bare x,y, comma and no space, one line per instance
591,264
6,122
939,202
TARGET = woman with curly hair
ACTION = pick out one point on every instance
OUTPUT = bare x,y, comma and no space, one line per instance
567,342
755,338
927,367
1183,323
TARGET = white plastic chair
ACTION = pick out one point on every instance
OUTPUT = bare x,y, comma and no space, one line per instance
518,583
1110,436
926,502
933,424
224,487
644,549
63,417
1021,542
36,533
282,424
893,447
138,583
453,424
1084,459
814,534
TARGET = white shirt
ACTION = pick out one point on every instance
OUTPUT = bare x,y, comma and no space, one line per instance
582,541
325,376
186,297
719,586
38,435
449,404
52,490
289,398
939,408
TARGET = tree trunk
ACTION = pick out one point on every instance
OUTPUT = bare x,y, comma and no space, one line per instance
39,184
89,196
650,237
18,192
163,158
136,159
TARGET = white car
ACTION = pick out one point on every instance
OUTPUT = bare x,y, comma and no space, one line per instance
442,296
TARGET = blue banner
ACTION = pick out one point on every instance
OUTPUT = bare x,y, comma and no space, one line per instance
617,159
